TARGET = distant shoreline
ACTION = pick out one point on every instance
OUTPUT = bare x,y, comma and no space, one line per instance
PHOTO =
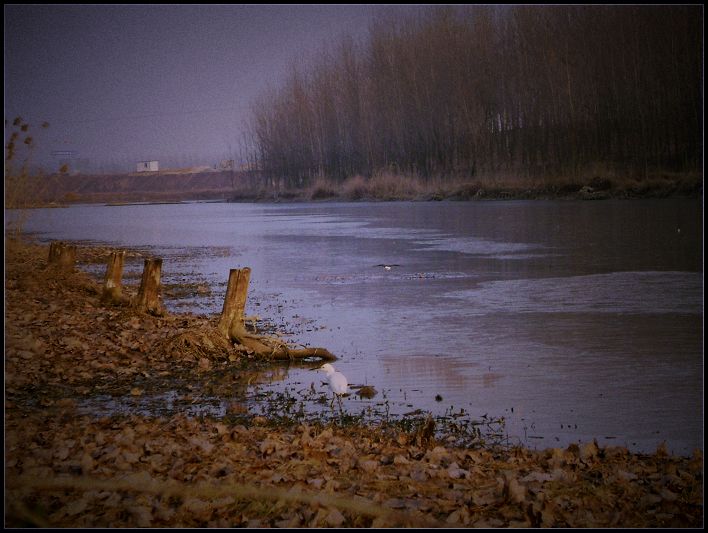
115,190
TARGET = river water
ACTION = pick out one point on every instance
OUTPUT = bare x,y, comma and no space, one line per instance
573,320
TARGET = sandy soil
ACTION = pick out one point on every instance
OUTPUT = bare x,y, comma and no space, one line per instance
67,468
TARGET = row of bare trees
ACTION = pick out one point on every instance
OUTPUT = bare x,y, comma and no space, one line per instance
483,90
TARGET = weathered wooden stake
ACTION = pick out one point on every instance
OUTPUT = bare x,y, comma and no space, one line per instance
54,248
67,257
112,289
235,300
148,298
63,255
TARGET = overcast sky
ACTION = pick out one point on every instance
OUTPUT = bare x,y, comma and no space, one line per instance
141,82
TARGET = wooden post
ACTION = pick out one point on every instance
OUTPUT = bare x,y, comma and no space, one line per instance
54,252
67,257
148,298
235,300
112,290
63,255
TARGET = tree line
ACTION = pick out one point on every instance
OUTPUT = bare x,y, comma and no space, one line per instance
487,90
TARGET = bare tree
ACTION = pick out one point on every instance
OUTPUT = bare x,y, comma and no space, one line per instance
467,90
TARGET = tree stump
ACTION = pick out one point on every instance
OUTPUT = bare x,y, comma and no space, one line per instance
231,325
62,255
54,249
148,298
112,289
235,300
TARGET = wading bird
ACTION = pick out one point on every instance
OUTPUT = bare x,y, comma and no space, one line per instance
337,382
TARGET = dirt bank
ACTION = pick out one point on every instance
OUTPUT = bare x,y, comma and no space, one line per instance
138,187
65,467
242,186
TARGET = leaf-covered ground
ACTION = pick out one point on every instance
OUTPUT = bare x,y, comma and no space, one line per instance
68,468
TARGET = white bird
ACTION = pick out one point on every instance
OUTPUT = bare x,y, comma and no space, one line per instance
337,382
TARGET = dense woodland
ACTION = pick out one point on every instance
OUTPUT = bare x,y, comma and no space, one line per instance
471,91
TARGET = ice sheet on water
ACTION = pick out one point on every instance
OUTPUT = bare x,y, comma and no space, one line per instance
482,247
615,292
382,276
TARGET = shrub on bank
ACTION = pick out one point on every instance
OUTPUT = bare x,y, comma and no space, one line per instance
322,189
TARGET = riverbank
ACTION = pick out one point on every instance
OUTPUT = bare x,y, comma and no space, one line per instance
57,191
65,467
395,187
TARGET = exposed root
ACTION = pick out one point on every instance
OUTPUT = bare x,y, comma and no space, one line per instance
272,348
196,344
208,342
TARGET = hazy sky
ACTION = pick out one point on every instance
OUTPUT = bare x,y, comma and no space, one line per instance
140,82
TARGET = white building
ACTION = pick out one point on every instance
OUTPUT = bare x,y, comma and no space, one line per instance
148,166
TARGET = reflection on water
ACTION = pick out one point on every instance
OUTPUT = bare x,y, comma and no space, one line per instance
574,320
218,395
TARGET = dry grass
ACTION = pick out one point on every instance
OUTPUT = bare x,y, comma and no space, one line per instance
383,185
387,185
322,189
601,180
355,187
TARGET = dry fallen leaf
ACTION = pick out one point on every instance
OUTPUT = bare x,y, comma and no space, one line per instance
185,471
334,518
516,491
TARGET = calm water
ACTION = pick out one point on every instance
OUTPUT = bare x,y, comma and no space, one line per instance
574,320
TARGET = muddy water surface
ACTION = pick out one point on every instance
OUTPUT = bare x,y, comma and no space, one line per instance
573,320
